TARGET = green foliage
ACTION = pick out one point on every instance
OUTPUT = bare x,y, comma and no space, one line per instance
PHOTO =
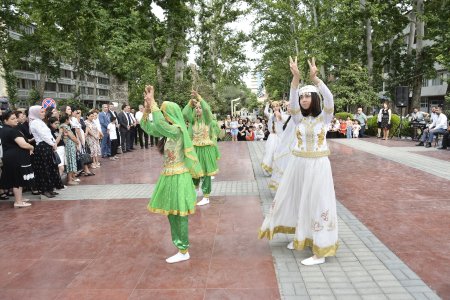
406,131
73,102
34,98
352,88
343,115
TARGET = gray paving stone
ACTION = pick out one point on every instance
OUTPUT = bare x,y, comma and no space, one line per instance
374,297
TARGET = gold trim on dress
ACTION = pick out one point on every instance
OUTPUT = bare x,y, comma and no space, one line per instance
279,229
171,212
266,168
321,252
311,154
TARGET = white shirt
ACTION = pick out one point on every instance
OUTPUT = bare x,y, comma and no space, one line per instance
41,132
440,123
97,123
112,131
74,123
139,115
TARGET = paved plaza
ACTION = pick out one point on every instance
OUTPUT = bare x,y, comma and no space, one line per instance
98,241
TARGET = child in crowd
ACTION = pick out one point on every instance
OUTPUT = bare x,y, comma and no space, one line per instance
234,129
349,127
343,127
250,134
113,137
356,128
259,134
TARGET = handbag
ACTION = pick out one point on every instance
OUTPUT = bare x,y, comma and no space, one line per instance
56,158
85,158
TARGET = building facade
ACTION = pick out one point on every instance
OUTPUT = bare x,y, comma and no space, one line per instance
94,88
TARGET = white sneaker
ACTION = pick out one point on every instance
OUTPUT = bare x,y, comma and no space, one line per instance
290,246
313,261
178,257
213,177
199,192
204,201
77,180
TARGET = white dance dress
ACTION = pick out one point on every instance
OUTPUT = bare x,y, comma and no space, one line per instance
305,202
275,127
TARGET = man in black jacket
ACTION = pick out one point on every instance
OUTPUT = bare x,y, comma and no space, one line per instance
125,123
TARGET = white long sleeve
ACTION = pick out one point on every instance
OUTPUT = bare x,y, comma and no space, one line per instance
41,132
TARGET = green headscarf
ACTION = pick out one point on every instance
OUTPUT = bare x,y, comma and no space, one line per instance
172,113
190,115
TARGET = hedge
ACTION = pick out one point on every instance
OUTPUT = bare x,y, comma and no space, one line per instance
395,122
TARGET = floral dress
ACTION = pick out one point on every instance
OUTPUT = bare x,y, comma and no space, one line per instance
92,138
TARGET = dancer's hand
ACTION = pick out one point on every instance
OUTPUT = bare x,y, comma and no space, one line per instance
149,96
195,94
313,71
294,67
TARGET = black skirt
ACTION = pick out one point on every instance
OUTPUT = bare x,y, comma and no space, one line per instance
46,171
17,170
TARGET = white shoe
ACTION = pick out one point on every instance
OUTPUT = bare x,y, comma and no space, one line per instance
204,201
290,246
178,257
199,192
213,177
77,180
313,261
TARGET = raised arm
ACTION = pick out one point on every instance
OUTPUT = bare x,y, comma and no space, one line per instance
328,102
206,109
266,110
293,95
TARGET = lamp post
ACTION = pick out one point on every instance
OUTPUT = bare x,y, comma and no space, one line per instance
232,105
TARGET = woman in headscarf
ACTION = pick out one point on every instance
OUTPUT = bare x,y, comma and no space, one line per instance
202,130
305,202
174,194
45,165
17,171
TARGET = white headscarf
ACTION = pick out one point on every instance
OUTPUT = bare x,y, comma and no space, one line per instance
34,113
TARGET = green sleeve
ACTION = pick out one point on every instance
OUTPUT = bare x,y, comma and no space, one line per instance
164,128
206,110
188,113
149,128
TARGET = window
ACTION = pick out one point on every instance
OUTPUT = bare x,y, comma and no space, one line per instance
25,66
102,92
92,78
26,84
66,88
425,82
438,80
103,80
90,91
50,86
66,73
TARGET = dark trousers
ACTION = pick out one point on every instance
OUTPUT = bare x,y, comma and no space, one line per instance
153,140
445,139
141,133
124,140
361,131
132,137
114,145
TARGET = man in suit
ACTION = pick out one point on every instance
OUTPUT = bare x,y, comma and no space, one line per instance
125,123
104,118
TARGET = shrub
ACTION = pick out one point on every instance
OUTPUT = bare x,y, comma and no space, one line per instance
395,122
343,115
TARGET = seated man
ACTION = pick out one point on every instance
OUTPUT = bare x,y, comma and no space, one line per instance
445,139
438,126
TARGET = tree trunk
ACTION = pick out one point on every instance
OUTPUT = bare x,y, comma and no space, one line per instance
41,87
417,82
368,41
160,82
316,24
179,70
412,31
119,90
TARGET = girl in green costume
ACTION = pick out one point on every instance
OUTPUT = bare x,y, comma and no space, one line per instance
202,130
174,194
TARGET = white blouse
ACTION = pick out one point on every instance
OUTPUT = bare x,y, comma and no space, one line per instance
311,131
41,132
